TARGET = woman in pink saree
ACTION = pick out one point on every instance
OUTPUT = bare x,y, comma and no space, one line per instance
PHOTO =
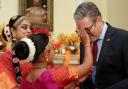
38,49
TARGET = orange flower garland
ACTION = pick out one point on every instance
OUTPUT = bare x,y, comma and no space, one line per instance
67,58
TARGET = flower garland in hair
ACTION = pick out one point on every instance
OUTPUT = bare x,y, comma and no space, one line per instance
32,49
7,33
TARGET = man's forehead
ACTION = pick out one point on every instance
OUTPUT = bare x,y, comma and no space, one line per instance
83,23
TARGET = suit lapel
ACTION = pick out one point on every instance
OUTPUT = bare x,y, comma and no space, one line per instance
106,45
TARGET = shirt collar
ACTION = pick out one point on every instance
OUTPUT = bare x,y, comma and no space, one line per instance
103,31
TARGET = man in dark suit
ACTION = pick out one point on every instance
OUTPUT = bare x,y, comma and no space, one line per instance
111,67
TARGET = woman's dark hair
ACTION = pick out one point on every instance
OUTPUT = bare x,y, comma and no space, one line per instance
16,20
13,23
40,41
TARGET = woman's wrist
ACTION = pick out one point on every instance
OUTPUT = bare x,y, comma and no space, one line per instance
87,45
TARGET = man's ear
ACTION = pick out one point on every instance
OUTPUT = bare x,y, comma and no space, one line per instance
99,19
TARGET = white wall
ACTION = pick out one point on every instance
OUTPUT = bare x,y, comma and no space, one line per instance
8,9
63,16
118,13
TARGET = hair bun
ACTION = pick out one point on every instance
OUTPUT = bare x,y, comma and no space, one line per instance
21,50
31,47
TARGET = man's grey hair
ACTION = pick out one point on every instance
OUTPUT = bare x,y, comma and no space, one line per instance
87,9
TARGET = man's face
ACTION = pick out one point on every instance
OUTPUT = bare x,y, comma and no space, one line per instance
90,27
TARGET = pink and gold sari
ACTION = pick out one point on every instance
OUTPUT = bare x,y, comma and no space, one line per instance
7,73
6,79
55,78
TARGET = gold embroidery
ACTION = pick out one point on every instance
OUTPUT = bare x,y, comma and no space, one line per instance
73,71
5,81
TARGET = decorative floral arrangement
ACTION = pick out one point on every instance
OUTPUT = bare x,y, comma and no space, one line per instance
57,44
65,42
62,46
2,41
1,28
67,39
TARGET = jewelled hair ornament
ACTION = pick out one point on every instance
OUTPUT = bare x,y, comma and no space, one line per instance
32,49
6,33
19,20
16,20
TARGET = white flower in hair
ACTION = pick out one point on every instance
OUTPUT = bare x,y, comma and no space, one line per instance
7,33
32,49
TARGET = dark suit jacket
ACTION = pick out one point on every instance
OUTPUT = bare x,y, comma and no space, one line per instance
112,65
